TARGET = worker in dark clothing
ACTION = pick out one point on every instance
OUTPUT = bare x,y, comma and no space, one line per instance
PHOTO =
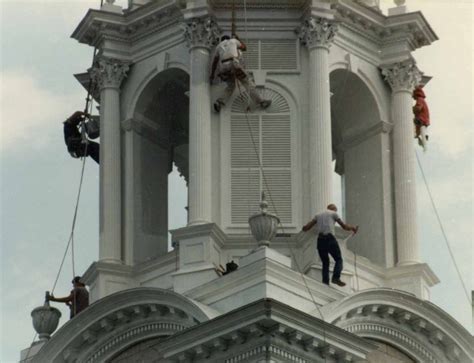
327,243
77,300
74,140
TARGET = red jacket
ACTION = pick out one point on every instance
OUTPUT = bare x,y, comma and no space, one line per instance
421,111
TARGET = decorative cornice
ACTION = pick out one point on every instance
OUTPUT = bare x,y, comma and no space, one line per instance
395,336
424,322
408,271
109,73
128,27
316,32
410,27
199,230
259,4
267,328
201,32
119,320
402,76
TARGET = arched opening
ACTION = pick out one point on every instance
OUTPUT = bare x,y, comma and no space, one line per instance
260,159
361,150
160,167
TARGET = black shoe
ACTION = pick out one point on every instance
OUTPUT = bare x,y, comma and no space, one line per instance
217,106
338,282
265,104
326,283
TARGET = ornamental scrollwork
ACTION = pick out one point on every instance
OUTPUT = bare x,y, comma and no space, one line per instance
317,32
201,32
108,73
402,75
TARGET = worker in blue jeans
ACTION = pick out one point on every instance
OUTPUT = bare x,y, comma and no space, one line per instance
327,243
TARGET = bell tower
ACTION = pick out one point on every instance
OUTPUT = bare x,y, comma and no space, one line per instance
334,102
340,75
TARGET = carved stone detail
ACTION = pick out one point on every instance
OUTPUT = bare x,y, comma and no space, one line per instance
402,76
317,32
109,73
201,32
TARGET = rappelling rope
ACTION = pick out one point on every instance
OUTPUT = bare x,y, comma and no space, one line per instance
257,154
70,243
442,228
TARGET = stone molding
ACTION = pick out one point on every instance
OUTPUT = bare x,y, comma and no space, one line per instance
98,267
316,32
421,269
402,76
127,27
259,4
278,278
109,73
395,336
120,320
379,28
401,319
198,230
201,32
265,327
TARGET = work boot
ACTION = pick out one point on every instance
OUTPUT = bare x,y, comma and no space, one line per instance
265,104
338,282
217,106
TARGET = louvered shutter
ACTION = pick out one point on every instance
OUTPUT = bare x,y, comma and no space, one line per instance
271,145
245,174
276,161
271,54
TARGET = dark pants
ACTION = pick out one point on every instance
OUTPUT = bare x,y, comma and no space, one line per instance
327,245
77,149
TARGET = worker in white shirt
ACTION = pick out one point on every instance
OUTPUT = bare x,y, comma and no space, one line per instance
228,64
327,243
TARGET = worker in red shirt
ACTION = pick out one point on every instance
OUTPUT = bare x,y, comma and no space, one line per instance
422,116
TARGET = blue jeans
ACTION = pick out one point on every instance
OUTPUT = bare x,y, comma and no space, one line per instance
327,245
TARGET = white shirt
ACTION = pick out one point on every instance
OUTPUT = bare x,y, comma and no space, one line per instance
325,221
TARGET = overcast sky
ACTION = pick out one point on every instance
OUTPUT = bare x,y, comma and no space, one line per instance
39,180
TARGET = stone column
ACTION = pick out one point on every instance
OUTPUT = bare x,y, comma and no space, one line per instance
317,34
201,34
108,75
403,77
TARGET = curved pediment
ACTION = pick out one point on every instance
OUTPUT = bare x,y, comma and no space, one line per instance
416,327
119,321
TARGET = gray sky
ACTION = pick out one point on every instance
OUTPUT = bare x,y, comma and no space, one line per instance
39,180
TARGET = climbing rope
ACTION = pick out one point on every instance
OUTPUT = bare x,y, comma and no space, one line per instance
445,237
70,243
257,154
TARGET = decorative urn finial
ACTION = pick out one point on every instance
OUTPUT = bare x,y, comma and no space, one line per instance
264,225
399,2
45,319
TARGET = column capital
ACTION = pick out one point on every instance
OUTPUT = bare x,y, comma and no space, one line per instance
201,32
109,73
402,76
317,32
